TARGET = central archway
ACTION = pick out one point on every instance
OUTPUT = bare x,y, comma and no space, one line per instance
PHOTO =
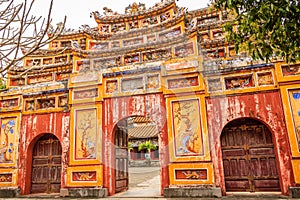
134,166
249,158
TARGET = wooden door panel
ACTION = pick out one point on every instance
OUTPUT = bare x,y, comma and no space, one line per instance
237,185
46,165
248,157
121,158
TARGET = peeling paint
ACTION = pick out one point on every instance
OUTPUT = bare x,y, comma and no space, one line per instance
266,107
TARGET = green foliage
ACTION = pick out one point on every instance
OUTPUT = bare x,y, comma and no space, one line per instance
265,27
147,145
129,146
2,84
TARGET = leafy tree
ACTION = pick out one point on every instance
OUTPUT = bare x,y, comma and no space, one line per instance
266,28
129,146
147,145
22,33
2,84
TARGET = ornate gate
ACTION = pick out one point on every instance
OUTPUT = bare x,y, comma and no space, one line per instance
46,165
121,157
248,157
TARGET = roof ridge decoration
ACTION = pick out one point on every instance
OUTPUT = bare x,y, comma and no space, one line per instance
134,8
131,10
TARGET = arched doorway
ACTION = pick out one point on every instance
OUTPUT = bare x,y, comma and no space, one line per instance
249,158
130,170
46,165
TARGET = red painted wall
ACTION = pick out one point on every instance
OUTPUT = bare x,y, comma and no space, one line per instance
266,107
32,128
116,109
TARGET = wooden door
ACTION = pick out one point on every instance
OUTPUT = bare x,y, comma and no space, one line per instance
46,165
121,157
248,157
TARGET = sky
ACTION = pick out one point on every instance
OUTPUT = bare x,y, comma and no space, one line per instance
78,11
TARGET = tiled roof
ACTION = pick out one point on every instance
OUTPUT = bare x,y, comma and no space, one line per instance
146,131
139,119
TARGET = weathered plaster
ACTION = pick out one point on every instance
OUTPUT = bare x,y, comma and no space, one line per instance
116,109
265,107
32,128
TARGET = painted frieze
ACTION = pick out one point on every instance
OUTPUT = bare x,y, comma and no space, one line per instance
239,82
17,81
187,134
265,78
183,82
182,65
170,33
214,84
290,70
85,94
86,134
185,50
40,79
156,55
83,65
111,86
134,41
6,178
131,84
295,107
9,103
29,105
191,173
85,77
106,62
8,138
153,82
45,103
131,58
63,101
62,76
98,45
85,175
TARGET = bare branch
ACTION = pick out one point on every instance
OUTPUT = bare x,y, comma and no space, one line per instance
19,29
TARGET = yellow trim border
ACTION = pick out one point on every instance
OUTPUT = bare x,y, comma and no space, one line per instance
98,169
191,166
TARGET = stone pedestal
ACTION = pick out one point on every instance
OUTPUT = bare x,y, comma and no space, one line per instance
9,192
83,192
192,192
295,192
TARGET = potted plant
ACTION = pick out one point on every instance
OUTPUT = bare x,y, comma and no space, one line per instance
148,146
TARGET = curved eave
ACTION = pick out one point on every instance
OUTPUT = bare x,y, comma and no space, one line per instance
159,27
49,52
139,15
31,70
71,35
162,44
